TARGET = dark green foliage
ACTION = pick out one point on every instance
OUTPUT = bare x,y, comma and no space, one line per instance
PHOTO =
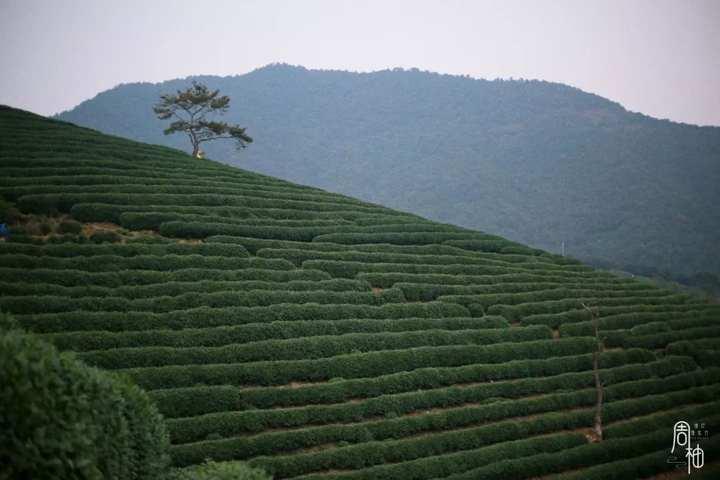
62,419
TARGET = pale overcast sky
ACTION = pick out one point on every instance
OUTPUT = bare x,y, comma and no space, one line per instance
658,57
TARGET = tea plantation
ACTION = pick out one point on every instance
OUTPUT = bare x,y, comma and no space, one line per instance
315,336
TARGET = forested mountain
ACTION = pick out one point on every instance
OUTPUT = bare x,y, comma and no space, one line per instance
540,163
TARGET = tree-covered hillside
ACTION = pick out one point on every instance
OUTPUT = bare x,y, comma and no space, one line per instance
316,336
537,162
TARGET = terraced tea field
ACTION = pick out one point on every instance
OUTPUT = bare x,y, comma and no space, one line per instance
320,337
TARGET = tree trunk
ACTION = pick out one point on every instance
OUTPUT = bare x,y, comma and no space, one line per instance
195,144
597,425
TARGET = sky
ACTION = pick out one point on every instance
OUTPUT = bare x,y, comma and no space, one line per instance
657,57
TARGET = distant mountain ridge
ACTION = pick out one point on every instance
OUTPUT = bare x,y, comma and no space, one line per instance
541,163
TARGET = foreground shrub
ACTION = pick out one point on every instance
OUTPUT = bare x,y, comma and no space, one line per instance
62,419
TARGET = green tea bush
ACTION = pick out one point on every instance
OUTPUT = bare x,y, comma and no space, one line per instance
103,212
210,470
190,401
353,365
126,250
385,280
51,203
365,452
305,347
105,236
409,238
206,317
552,463
70,226
579,314
519,311
431,291
162,263
123,278
508,399
254,332
171,188
540,295
643,322
351,269
661,340
439,466
251,298
202,230
62,419
390,426
178,288
298,256
492,243
705,355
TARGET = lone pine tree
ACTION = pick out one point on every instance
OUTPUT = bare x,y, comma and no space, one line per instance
189,109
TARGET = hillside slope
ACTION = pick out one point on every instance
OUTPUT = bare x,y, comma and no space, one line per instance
320,337
537,162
